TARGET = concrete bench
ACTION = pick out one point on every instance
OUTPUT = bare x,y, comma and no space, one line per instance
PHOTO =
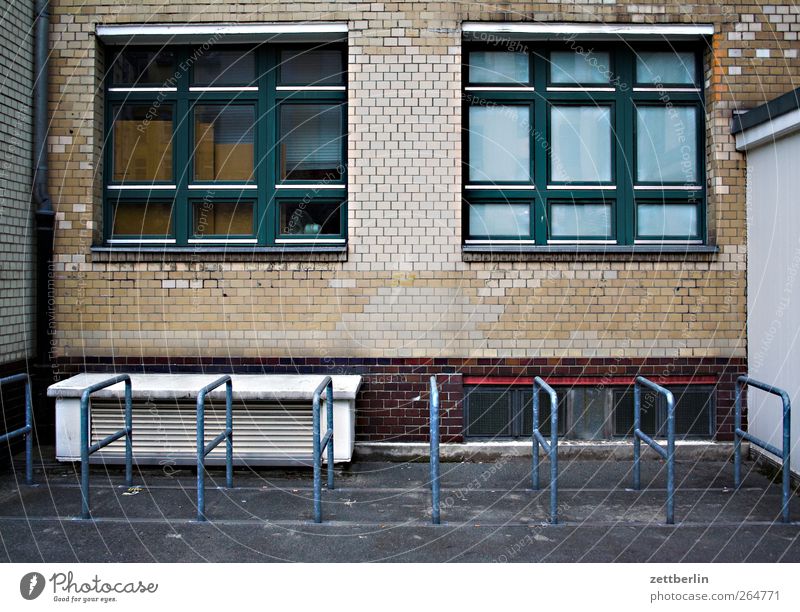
271,418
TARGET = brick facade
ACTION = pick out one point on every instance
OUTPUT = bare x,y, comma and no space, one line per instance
405,291
16,155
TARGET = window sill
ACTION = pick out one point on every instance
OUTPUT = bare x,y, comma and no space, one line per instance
138,253
510,252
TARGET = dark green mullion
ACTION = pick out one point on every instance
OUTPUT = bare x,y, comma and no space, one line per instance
268,128
540,139
261,153
331,97
624,206
182,162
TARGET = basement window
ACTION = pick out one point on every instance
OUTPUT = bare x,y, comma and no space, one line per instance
585,412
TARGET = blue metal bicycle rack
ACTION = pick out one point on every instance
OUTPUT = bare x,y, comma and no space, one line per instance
434,456
740,434
87,449
27,430
320,445
667,454
550,448
204,449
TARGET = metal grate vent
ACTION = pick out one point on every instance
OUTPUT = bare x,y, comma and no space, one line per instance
488,412
165,433
693,412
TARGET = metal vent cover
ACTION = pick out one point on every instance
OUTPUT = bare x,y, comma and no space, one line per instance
263,433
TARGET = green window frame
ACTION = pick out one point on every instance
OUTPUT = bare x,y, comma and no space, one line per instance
600,198
240,121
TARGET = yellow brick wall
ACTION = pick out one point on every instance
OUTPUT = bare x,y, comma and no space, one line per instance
406,289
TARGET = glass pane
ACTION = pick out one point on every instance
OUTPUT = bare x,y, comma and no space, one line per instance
666,144
219,68
499,220
223,142
580,144
310,218
569,220
142,143
498,67
312,67
499,143
311,142
667,67
659,220
588,413
144,67
222,218
571,68
142,219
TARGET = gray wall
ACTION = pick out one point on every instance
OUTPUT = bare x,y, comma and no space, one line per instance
773,278
16,220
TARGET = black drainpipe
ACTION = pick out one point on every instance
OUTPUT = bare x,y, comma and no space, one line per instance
44,215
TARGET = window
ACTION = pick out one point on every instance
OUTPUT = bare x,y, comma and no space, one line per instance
226,145
569,144
585,412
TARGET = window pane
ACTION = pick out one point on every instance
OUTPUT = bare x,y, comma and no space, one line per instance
312,67
144,67
311,142
142,219
310,218
667,67
499,143
142,143
222,218
223,142
571,68
581,144
569,220
219,68
666,144
499,220
659,220
498,67
588,413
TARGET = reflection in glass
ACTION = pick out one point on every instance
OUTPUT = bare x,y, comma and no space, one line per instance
221,68
137,67
311,142
211,218
581,144
309,219
665,220
498,67
668,67
499,143
571,68
223,142
666,144
578,221
511,220
142,137
142,218
312,67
